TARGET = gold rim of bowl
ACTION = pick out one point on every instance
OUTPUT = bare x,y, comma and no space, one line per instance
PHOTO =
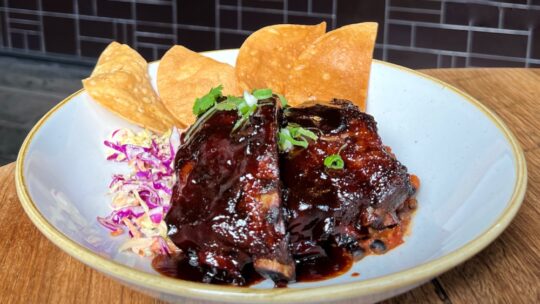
387,283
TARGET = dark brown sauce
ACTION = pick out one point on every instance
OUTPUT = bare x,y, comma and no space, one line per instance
329,226
336,262
179,267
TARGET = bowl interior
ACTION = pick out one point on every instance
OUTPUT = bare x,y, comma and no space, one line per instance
465,162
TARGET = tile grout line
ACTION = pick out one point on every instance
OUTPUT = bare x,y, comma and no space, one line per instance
217,21
469,45
134,20
77,27
501,18
273,11
240,8
175,22
115,32
413,36
414,10
385,30
152,35
498,4
41,27
459,53
447,26
529,48
19,31
285,9
166,2
24,21
334,14
124,33
443,12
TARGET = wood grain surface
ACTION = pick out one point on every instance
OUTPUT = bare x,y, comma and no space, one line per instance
33,270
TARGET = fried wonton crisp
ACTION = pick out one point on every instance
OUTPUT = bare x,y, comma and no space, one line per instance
120,83
266,57
337,65
184,75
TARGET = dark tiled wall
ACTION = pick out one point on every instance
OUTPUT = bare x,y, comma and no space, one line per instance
415,33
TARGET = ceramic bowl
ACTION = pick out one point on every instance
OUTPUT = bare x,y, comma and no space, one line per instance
472,170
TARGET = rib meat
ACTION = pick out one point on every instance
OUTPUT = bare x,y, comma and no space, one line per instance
226,214
333,206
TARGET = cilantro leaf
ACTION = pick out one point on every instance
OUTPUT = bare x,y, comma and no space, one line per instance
334,161
262,93
207,101
284,102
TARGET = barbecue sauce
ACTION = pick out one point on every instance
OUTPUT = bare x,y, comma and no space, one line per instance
334,260
328,225
178,266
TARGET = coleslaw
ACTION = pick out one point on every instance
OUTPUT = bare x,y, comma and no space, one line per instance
141,199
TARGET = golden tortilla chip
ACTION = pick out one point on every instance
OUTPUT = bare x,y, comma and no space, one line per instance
336,65
184,75
266,57
120,83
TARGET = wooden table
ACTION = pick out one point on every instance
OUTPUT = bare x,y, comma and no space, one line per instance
33,270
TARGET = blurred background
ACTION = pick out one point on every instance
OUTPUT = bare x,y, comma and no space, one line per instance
48,46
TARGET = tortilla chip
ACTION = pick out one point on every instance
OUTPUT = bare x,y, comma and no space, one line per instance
184,75
266,57
120,83
336,65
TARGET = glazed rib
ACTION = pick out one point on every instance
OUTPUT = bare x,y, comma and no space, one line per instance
340,206
226,213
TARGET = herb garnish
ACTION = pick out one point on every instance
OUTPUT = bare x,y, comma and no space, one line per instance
246,106
334,161
284,102
204,103
294,135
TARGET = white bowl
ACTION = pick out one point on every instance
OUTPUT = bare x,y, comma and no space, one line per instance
472,170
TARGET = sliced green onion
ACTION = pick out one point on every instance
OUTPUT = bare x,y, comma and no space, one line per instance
262,93
284,102
334,161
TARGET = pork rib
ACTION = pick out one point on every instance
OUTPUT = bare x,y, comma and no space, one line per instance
226,213
339,206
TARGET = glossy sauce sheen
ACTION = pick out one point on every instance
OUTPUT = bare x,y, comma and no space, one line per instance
334,217
360,208
226,213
